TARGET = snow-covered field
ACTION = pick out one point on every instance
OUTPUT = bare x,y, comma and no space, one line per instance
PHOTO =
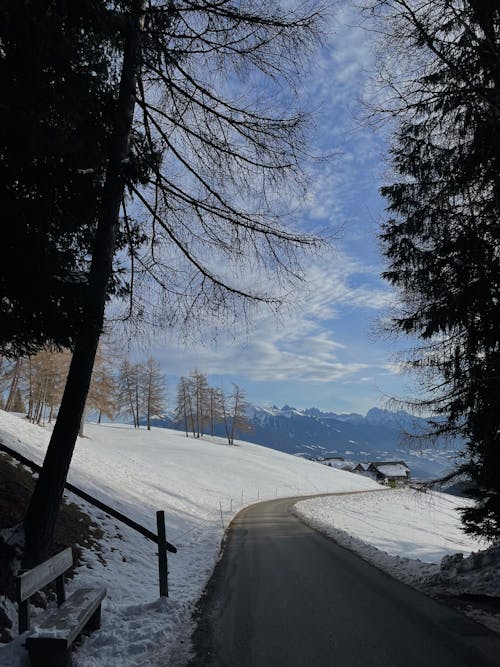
200,484
420,526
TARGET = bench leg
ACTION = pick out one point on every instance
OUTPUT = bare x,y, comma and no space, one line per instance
94,622
50,658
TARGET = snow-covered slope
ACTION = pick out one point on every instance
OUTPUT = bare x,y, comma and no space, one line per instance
200,483
378,436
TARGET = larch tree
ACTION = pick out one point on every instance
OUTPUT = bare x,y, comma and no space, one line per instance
199,139
214,408
199,392
46,372
154,390
14,376
128,390
236,408
442,234
103,390
184,405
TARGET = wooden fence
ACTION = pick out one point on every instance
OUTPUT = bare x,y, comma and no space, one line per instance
158,538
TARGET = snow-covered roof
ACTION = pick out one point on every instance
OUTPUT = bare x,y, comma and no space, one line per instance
392,469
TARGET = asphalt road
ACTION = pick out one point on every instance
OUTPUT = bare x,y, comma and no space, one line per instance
284,595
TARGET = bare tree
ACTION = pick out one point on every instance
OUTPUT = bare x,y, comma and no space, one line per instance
214,408
199,386
184,405
209,162
102,396
238,417
14,376
44,376
154,390
129,390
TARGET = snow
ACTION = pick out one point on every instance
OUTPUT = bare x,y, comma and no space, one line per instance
424,526
200,484
415,537
392,469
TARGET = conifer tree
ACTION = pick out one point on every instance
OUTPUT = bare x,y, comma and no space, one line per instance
215,415
153,390
199,393
237,411
128,390
442,236
184,405
102,396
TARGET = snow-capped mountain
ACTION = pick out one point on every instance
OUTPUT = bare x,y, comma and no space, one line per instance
311,433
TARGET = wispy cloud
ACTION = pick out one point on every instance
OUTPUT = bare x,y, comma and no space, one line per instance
301,345
321,339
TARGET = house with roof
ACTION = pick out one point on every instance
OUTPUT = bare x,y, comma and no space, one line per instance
361,467
337,462
390,472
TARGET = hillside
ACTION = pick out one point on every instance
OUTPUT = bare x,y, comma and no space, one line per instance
200,484
310,433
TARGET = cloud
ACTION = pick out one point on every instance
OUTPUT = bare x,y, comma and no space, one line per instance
302,344
322,335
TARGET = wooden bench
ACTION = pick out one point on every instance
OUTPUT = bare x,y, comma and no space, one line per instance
49,644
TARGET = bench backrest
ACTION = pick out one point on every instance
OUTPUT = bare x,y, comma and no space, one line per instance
31,581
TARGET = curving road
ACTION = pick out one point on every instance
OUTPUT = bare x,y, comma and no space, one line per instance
284,595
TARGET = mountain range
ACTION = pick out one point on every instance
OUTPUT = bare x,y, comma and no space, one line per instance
381,435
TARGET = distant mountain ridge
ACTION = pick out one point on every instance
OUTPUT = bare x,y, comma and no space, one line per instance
314,434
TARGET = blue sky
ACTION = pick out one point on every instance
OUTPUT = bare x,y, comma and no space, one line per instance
322,351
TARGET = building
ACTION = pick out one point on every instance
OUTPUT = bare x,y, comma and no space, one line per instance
390,472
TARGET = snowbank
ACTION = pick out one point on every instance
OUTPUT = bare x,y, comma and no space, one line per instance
413,536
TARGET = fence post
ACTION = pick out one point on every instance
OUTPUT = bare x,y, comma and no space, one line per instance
162,553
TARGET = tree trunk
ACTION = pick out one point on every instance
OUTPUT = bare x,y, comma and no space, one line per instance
29,416
137,399
42,512
150,389
41,404
82,425
13,385
131,401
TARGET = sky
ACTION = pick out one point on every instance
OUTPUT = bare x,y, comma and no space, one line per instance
323,350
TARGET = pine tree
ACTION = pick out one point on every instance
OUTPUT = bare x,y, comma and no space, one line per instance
442,237
56,101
